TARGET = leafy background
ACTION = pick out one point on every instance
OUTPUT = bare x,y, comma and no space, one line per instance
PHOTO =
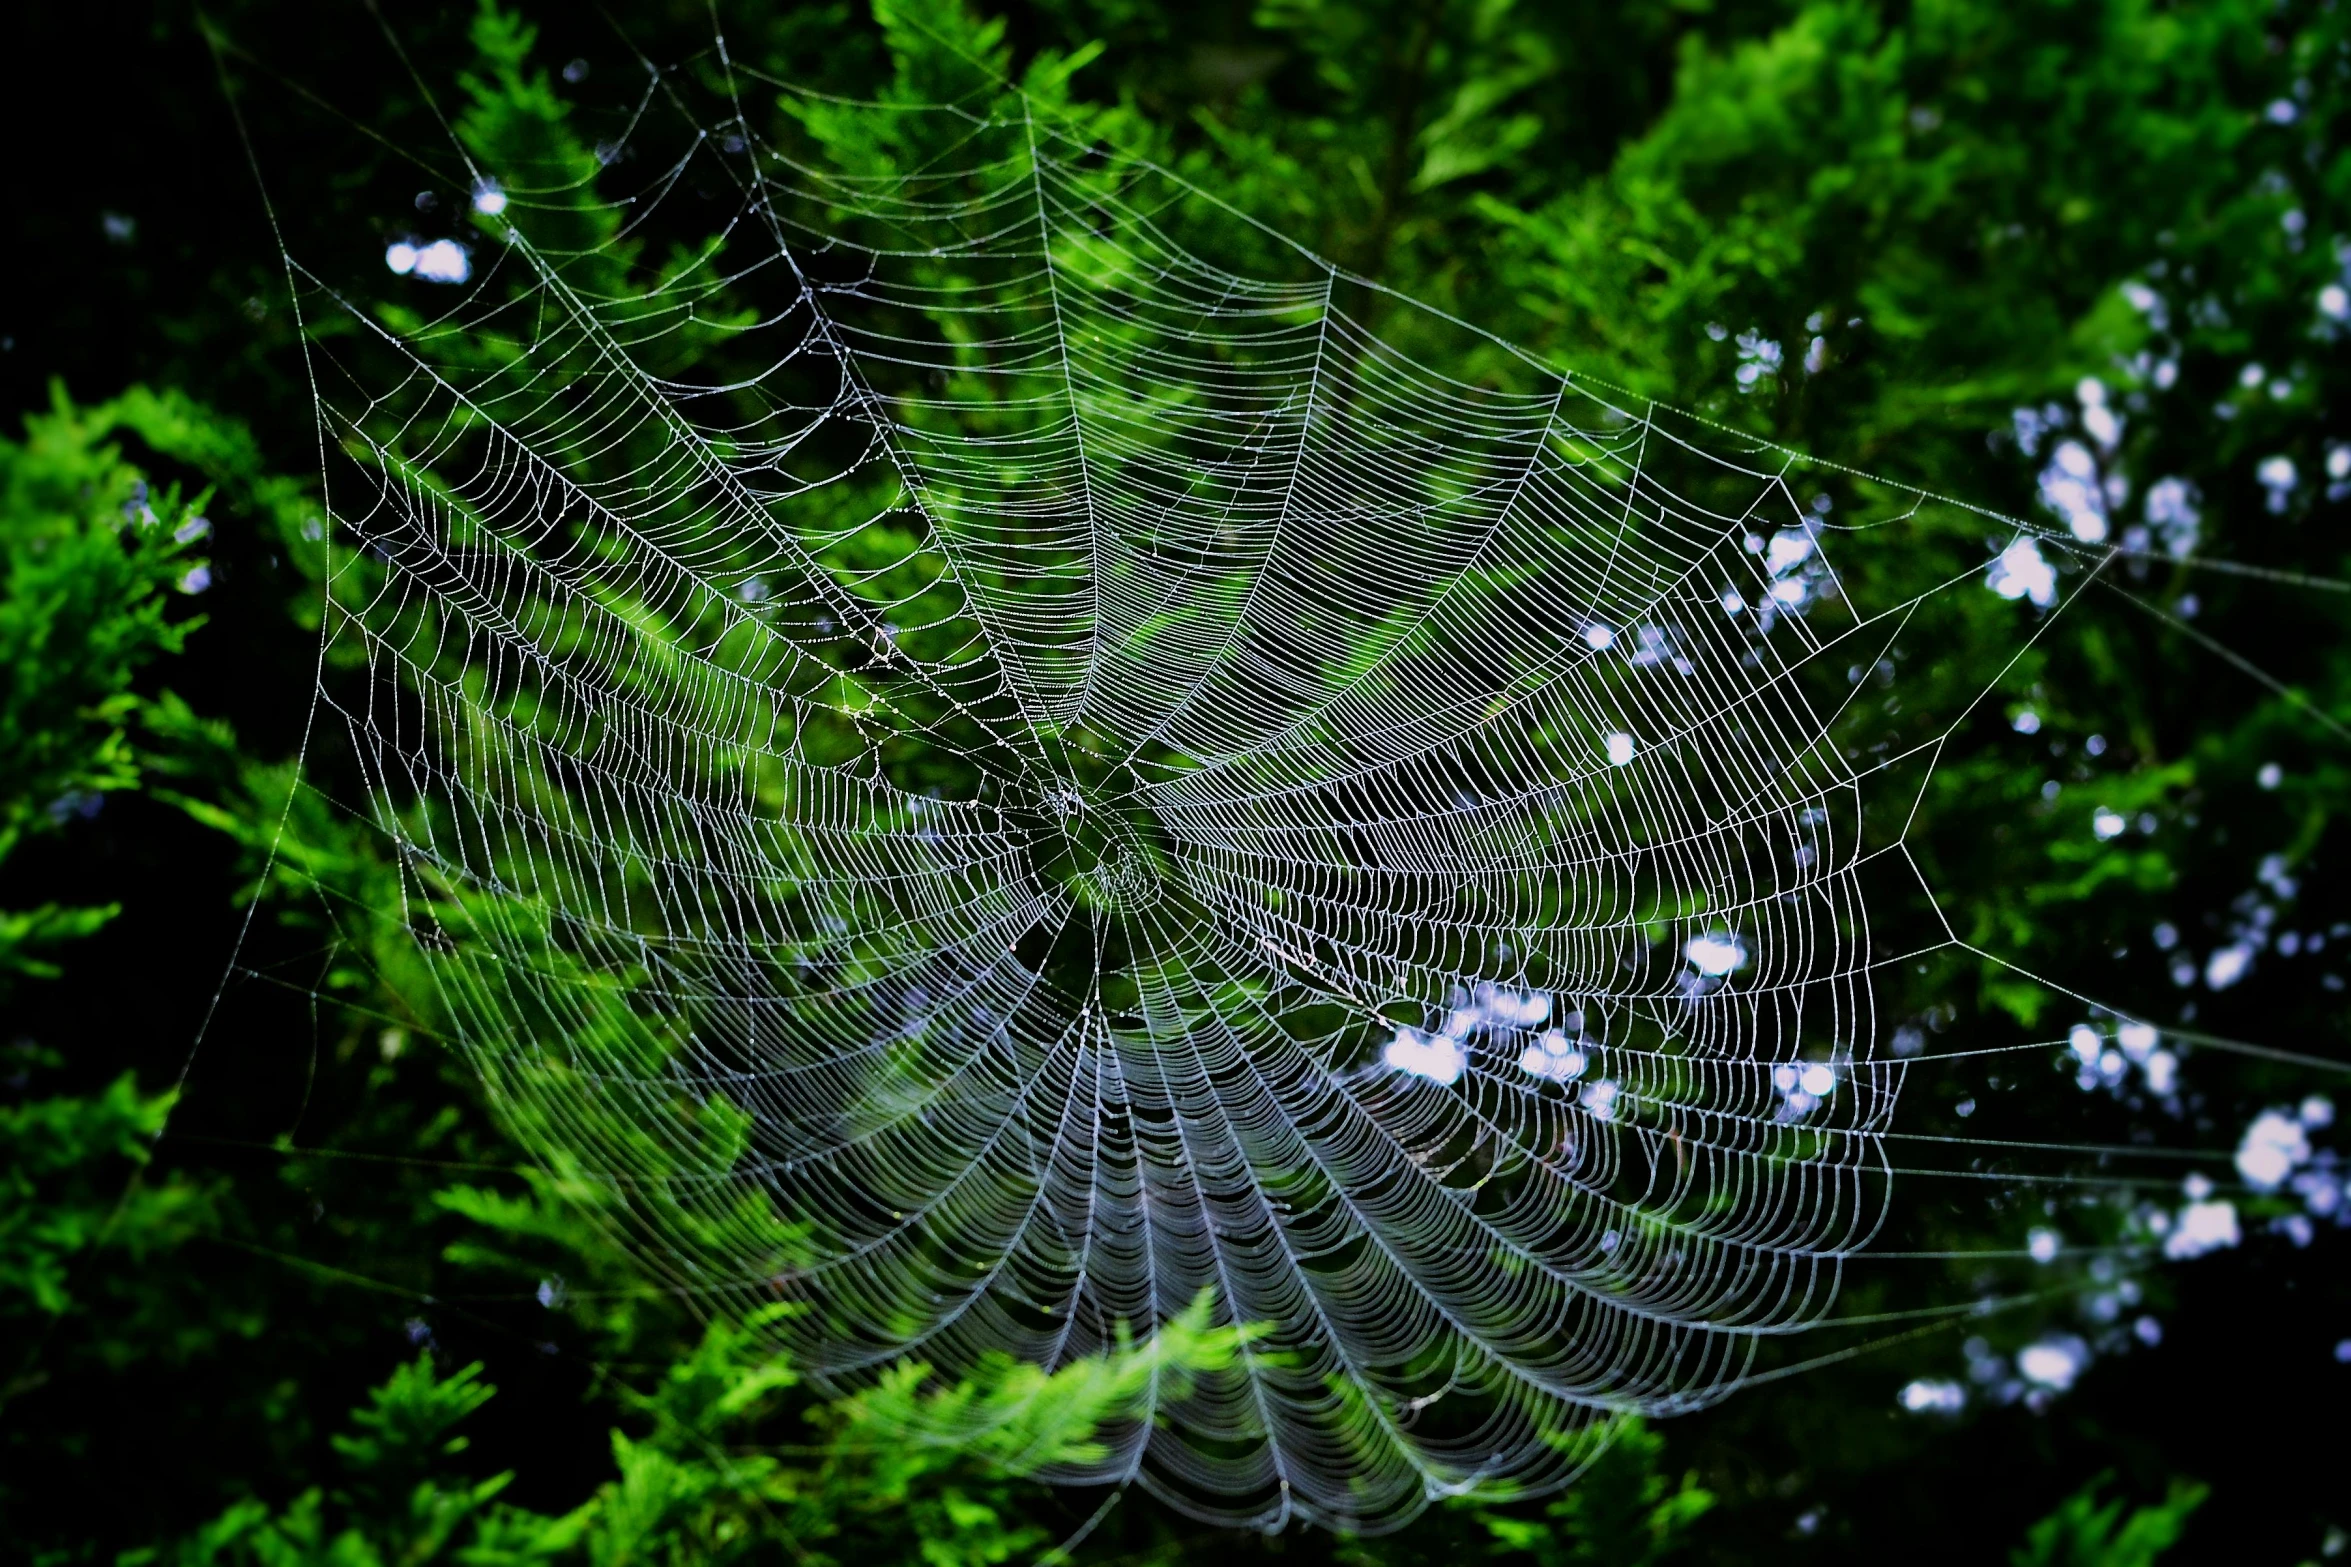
1874,232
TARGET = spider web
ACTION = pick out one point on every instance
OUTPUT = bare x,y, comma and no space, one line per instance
987,776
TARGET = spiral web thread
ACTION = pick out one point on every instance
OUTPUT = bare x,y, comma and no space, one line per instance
986,776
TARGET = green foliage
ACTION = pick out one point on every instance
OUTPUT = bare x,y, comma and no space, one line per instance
2085,1532
61,1190
97,1285
401,1501
1624,1509
910,1472
90,556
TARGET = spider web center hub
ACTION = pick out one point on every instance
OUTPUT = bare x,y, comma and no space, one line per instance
1093,839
